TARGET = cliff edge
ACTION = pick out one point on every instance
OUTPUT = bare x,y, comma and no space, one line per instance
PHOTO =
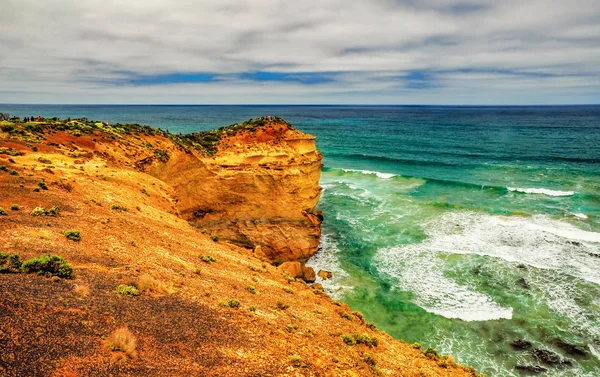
252,184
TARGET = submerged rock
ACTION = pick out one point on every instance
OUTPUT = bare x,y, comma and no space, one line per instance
523,283
571,349
549,357
536,369
521,344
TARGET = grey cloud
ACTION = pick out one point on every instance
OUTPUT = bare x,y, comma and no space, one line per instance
82,47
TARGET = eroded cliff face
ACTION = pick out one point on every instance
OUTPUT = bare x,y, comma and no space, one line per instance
260,187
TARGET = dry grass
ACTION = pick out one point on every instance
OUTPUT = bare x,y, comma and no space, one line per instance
149,284
82,290
123,344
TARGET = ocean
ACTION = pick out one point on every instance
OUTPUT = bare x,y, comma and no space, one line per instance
460,228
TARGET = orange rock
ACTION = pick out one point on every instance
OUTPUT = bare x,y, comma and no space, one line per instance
292,268
308,274
323,274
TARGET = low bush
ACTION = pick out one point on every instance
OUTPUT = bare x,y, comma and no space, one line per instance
344,314
365,339
73,235
49,265
150,284
9,263
207,259
15,207
122,342
42,185
233,303
282,306
127,290
251,289
296,360
3,212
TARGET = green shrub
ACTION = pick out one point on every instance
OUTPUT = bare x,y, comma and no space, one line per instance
38,211
369,359
365,339
253,308
296,360
42,185
73,235
53,211
127,290
14,207
207,259
282,306
3,168
251,289
371,325
359,315
3,212
214,237
233,303
13,172
431,353
344,314
45,161
9,263
288,290
49,265
116,207
349,340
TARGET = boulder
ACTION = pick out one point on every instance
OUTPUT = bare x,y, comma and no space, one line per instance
324,274
292,268
536,369
317,287
258,253
308,274
571,349
521,344
548,357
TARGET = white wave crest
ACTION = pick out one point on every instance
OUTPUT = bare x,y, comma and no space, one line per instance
542,191
371,172
579,215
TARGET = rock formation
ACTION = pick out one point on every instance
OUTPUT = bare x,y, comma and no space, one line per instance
257,187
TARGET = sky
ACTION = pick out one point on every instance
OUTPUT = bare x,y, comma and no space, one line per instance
300,52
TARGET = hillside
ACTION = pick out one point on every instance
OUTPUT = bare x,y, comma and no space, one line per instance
161,232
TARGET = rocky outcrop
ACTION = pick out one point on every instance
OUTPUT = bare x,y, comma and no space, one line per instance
258,187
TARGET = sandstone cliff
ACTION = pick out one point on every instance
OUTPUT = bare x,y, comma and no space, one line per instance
257,184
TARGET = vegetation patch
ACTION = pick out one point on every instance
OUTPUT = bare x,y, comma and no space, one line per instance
15,207
251,289
207,259
123,343
9,263
365,339
282,306
344,314
117,207
73,235
42,185
147,283
296,360
41,211
49,265
3,212
127,290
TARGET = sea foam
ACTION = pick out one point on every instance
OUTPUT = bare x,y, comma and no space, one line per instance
542,191
371,172
538,241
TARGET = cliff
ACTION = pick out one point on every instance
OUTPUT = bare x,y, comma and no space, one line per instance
257,184
134,289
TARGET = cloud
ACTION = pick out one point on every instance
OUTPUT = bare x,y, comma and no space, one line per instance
328,51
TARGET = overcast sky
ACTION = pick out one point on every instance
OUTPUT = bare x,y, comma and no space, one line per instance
304,51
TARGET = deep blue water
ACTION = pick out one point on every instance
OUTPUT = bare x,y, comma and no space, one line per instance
461,228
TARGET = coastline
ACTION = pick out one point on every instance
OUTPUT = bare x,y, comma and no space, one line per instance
131,226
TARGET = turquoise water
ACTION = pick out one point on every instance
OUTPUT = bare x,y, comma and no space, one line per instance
460,228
